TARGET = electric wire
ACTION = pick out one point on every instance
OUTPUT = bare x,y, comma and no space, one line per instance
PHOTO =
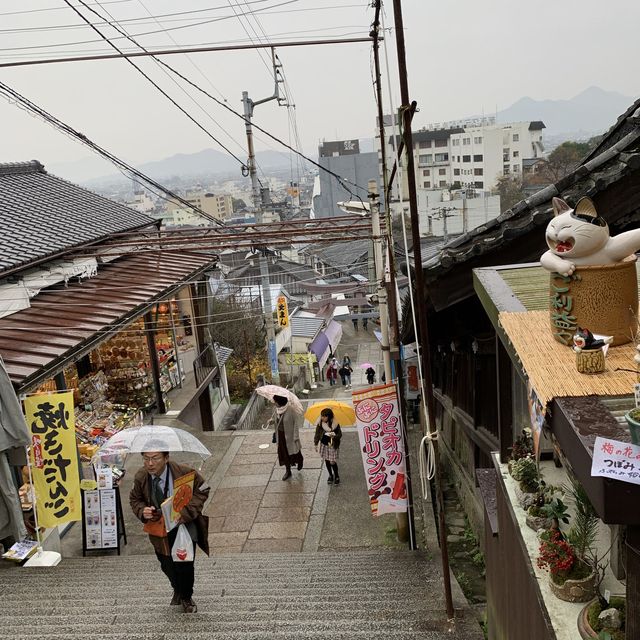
14,97
145,33
150,80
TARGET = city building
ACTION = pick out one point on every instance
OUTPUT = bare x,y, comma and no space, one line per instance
469,153
217,206
343,157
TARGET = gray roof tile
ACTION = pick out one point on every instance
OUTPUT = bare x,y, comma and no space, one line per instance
41,215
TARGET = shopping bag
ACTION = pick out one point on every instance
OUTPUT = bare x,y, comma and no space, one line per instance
182,550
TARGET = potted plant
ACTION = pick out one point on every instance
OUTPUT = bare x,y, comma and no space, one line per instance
525,472
610,626
537,517
574,570
522,447
633,420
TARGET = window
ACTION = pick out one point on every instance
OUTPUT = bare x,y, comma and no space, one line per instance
478,157
516,137
442,172
505,170
516,154
477,140
456,172
466,158
455,142
426,172
442,143
516,168
506,153
427,184
477,172
466,141
425,159
442,157
443,183
479,185
424,144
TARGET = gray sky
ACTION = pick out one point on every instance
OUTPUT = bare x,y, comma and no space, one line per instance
464,56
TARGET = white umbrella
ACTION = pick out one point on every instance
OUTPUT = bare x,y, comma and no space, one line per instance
270,390
151,438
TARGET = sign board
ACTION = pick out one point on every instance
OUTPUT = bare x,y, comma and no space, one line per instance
616,460
282,311
273,357
54,458
301,359
102,520
382,446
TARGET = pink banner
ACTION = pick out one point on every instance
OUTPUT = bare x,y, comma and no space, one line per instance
382,445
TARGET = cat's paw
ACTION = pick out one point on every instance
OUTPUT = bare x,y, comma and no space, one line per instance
567,268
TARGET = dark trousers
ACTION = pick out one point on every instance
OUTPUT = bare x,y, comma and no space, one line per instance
181,574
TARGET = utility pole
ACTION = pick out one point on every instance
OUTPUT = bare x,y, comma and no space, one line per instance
248,106
268,313
442,213
405,522
379,270
419,294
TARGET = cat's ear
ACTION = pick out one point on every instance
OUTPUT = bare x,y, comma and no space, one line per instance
559,206
586,207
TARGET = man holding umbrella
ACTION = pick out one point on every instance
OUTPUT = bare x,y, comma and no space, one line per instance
153,484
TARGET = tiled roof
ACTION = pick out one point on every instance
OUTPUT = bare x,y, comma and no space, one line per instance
594,175
42,216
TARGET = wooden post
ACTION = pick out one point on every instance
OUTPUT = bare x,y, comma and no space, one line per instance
504,400
633,583
153,356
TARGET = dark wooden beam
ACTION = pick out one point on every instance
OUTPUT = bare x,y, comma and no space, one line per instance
504,399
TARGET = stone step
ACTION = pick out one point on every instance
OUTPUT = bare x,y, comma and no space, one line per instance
213,634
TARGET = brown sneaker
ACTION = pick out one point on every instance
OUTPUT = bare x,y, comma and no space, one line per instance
189,606
176,600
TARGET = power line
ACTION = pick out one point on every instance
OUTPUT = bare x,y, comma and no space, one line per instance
14,97
145,75
16,13
145,33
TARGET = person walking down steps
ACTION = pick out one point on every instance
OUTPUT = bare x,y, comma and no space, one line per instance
327,443
287,436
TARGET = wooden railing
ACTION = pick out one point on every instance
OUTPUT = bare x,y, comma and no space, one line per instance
204,365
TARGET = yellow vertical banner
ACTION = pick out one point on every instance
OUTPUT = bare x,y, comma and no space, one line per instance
54,458
282,311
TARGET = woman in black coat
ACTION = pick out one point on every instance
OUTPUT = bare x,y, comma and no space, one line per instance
327,443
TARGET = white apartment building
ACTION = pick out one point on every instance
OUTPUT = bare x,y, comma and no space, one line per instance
218,206
471,153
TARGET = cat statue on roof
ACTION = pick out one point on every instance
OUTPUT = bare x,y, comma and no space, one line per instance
579,237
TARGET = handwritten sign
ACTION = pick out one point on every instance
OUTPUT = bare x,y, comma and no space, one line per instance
282,311
536,413
54,457
616,460
382,446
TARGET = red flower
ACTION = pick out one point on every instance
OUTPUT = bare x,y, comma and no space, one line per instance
556,554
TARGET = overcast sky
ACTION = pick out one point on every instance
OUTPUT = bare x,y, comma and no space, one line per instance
464,57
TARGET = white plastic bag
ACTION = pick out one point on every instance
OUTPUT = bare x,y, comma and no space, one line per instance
182,550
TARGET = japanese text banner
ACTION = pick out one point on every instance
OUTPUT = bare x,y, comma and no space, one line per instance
54,458
382,446
616,460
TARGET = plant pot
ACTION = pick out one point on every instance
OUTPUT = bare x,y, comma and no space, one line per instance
584,628
525,499
634,428
538,522
590,361
575,590
601,298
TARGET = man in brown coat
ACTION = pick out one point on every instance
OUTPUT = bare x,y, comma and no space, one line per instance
152,485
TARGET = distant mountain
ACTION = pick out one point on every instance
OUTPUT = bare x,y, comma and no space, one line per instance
207,161
591,112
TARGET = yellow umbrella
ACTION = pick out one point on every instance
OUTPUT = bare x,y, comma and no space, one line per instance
343,413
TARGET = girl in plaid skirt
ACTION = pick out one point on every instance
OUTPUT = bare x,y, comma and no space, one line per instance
327,443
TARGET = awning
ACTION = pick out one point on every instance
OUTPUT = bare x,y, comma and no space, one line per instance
321,348
65,323
333,333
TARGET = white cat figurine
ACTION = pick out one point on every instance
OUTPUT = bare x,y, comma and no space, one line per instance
578,237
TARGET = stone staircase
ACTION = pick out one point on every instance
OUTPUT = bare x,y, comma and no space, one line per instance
373,595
